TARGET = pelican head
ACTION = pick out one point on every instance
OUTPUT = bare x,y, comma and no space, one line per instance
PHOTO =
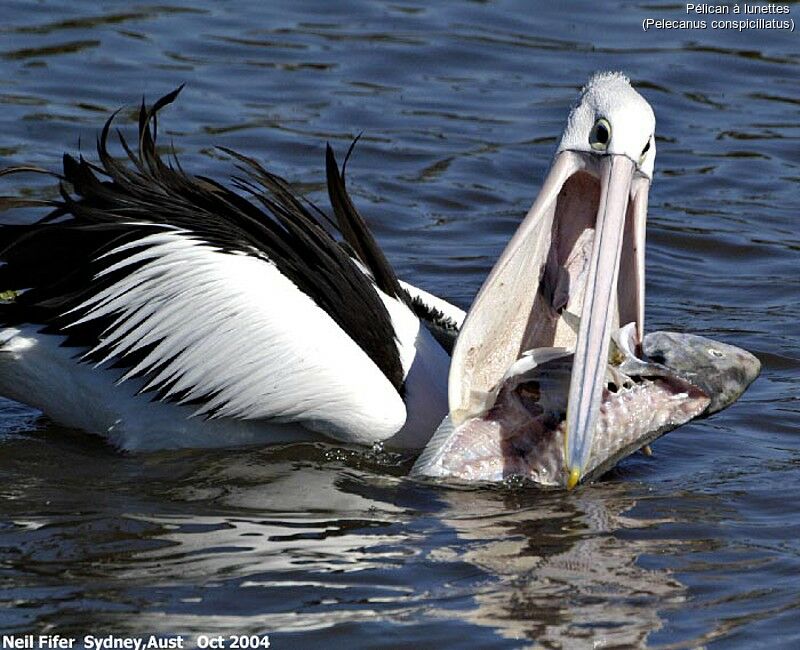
574,270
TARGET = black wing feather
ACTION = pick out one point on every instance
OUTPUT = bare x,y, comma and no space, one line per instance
355,231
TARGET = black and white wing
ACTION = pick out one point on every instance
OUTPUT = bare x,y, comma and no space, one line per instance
241,307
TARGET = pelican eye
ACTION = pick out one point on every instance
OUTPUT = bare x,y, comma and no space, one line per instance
600,135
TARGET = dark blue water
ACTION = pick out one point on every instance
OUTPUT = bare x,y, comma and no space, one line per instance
460,105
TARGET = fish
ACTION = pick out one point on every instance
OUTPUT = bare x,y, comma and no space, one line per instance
674,378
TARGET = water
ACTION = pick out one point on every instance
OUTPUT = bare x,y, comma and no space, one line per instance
460,106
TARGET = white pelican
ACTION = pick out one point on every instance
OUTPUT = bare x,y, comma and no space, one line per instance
162,309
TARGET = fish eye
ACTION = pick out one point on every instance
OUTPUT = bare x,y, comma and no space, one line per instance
645,150
715,353
600,135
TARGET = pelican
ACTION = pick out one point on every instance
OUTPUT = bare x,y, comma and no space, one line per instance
162,309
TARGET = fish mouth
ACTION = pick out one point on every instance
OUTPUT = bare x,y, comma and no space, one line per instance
572,273
626,423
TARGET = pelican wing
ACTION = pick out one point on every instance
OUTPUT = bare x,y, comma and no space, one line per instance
442,319
242,307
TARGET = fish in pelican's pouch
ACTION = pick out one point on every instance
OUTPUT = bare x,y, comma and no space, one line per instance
521,429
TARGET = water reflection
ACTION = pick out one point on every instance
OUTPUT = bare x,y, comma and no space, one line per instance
308,537
178,533
566,577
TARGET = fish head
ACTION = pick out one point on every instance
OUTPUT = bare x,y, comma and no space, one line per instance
675,378
579,251
720,370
